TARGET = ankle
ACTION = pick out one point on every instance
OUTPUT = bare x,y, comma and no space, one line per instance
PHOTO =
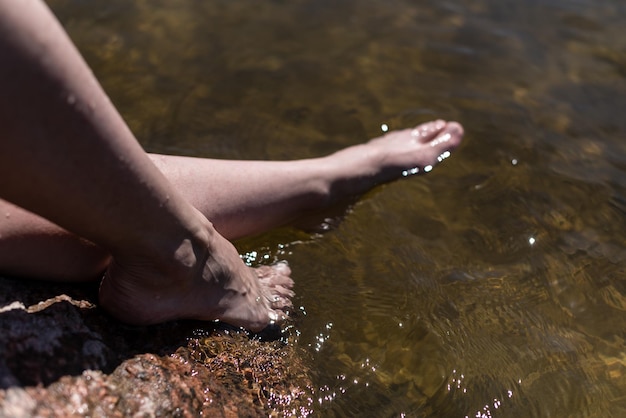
175,252
186,254
350,172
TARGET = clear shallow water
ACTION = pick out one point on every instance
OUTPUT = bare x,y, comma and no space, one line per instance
494,285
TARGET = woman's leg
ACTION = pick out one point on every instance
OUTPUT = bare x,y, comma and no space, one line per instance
240,197
246,197
67,155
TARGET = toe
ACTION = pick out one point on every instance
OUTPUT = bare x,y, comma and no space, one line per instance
282,267
277,274
283,291
427,131
277,316
280,303
284,281
279,269
455,129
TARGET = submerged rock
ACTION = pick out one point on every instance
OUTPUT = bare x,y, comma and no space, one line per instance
61,356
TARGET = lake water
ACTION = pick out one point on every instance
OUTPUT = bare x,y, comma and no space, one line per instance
494,286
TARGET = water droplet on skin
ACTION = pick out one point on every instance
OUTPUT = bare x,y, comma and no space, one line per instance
443,156
439,140
7,215
410,172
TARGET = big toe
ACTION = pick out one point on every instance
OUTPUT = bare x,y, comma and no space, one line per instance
456,131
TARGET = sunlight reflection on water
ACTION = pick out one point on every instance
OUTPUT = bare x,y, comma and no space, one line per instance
490,287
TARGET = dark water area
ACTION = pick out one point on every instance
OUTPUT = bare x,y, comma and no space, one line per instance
493,286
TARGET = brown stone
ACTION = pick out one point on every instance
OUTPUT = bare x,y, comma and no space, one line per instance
60,356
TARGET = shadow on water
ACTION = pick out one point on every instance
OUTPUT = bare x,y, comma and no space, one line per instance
491,287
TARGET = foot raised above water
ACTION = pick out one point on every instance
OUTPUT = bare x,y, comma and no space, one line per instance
357,169
417,150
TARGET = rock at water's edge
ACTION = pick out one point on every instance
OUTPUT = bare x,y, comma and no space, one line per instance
61,356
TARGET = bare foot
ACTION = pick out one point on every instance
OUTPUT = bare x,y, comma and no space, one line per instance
202,277
396,154
207,281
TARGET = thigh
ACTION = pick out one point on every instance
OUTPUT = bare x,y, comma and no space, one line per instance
32,247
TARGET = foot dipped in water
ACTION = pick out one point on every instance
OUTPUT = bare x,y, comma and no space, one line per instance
205,279
396,154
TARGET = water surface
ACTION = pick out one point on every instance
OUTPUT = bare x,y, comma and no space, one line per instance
494,286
